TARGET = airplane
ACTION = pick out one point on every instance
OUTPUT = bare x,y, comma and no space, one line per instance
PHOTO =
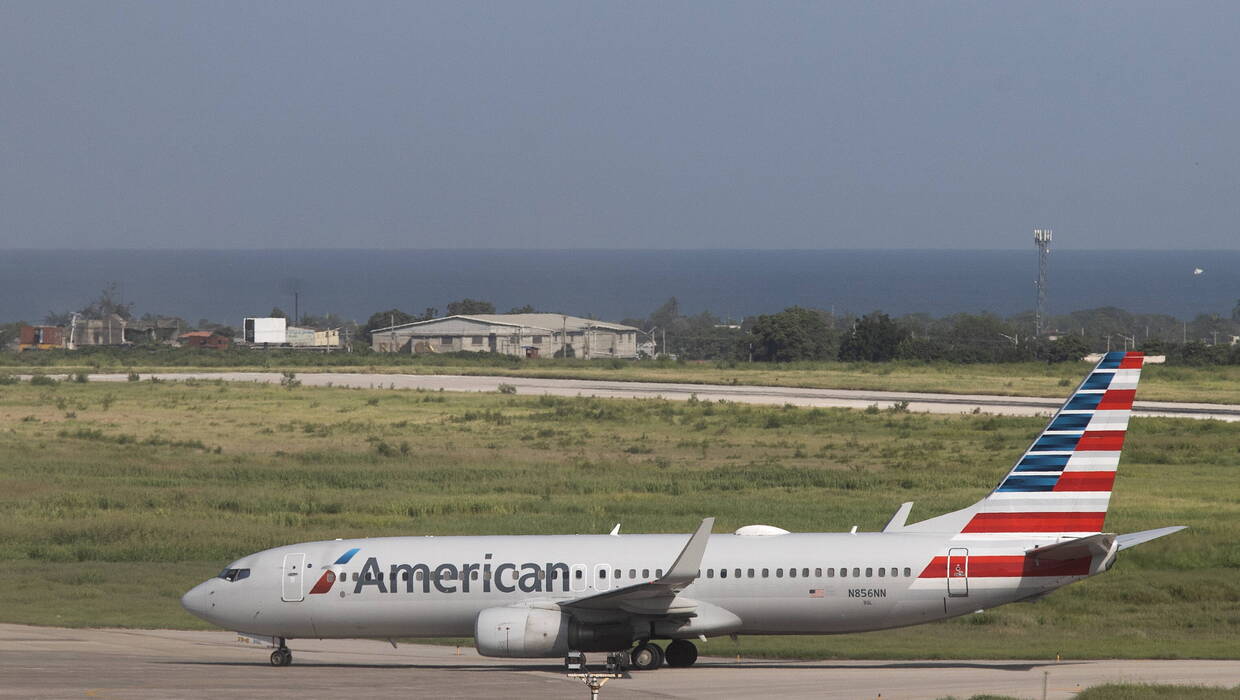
544,596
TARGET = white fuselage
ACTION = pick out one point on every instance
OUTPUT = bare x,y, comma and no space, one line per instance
806,583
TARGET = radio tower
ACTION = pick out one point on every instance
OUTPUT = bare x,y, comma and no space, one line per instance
1042,239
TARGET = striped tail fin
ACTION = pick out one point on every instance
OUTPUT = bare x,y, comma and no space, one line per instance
1062,484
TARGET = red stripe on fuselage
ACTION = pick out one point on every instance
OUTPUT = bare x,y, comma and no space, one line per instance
1035,522
1009,566
1085,481
1117,400
1101,441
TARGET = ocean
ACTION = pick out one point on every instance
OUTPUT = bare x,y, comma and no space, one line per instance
227,285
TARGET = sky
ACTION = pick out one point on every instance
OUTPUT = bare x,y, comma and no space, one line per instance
656,124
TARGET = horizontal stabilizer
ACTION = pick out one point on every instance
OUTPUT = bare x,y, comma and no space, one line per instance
1133,539
1078,548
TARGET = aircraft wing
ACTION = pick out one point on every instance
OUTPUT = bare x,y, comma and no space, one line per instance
657,597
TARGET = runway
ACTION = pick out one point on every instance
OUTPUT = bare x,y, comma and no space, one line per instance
920,402
117,664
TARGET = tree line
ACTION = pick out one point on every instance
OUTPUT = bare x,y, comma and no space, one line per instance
799,334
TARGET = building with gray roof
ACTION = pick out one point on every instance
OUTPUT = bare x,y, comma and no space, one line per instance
520,335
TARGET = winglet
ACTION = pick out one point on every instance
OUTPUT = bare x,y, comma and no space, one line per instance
899,519
615,531
686,567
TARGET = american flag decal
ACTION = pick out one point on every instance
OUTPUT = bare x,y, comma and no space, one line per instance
817,592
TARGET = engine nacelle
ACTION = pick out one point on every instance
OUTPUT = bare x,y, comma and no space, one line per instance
522,632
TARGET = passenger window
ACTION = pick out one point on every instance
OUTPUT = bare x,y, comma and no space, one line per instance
404,576
541,574
617,573
831,572
750,573
602,573
805,573
632,573
817,573
766,573
577,574
908,571
645,573
736,574
792,573
710,573
723,573
779,573
882,572
417,575
869,572
658,573
856,571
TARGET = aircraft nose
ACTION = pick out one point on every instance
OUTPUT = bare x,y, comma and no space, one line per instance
198,600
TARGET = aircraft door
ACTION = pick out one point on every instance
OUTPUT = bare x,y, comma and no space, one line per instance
602,577
957,572
291,577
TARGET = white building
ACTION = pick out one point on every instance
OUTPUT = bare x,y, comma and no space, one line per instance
269,331
522,335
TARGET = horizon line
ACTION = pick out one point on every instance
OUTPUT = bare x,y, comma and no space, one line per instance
603,250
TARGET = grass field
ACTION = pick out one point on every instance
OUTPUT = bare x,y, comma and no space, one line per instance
115,498
1213,384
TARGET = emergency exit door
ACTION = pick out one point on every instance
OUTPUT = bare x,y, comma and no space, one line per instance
957,572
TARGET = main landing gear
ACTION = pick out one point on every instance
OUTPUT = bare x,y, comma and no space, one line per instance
681,653
282,656
647,656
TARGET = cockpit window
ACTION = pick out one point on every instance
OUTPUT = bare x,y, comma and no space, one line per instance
234,574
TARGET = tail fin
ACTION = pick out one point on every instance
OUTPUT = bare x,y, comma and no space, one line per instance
1062,484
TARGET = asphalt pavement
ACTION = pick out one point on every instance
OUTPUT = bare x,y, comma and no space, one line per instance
917,401
120,664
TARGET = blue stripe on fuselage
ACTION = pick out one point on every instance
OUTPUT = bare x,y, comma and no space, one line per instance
344,558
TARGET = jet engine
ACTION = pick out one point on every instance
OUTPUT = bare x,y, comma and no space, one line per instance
523,632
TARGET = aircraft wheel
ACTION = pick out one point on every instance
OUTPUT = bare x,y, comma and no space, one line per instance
647,657
281,657
681,653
